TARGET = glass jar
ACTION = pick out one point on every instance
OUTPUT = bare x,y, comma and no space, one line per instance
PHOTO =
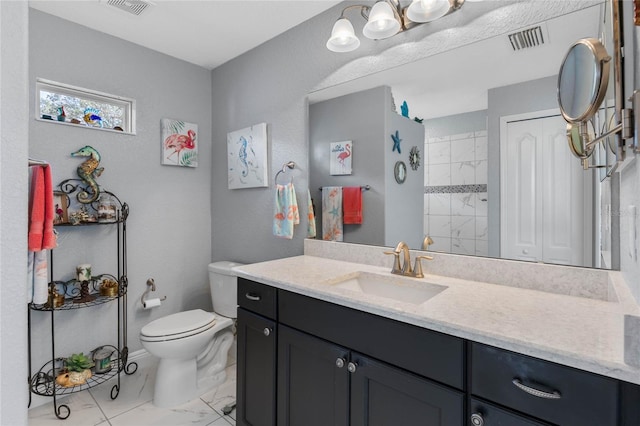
107,209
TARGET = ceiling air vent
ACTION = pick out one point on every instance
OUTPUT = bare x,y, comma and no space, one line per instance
524,39
135,7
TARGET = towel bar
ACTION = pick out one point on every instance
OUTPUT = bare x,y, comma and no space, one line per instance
364,188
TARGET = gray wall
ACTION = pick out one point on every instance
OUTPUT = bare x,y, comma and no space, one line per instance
629,177
360,118
270,84
404,203
169,226
535,95
14,112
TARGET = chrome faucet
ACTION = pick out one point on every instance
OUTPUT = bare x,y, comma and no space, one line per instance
405,268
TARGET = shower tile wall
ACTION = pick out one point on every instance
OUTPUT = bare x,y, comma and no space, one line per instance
455,199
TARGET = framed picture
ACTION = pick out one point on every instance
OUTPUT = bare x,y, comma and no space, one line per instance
60,208
340,158
247,157
179,145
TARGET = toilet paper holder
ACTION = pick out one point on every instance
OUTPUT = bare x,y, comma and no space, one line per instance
151,286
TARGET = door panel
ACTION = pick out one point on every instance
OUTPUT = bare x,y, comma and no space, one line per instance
382,395
256,399
546,212
312,389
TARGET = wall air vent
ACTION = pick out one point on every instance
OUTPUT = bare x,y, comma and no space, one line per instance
135,7
524,39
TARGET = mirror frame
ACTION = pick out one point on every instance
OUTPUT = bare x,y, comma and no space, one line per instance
602,62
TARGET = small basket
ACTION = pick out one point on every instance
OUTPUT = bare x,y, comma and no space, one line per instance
109,288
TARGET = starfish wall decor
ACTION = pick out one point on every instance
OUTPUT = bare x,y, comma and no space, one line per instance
396,142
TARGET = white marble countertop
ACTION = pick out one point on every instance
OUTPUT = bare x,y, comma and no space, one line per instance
575,331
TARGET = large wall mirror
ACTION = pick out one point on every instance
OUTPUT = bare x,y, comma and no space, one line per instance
496,175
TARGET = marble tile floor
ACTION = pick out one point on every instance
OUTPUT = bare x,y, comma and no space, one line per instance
133,405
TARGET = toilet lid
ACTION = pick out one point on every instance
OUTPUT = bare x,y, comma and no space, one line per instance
178,323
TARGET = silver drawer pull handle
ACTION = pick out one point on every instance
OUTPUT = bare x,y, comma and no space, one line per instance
253,297
266,331
352,367
536,392
340,362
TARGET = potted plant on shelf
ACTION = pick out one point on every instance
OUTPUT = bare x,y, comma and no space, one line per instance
78,368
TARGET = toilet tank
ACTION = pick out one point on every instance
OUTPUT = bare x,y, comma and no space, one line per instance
224,288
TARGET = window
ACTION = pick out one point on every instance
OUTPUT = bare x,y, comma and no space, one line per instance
75,106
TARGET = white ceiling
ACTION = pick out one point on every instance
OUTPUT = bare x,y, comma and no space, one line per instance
204,32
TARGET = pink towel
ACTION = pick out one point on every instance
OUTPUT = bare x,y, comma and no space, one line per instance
36,212
41,235
352,205
49,237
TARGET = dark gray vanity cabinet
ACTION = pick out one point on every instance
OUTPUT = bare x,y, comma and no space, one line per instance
257,346
306,362
338,366
321,383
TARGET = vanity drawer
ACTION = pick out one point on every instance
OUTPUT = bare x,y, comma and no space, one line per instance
551,392
259,298
433,355
485,414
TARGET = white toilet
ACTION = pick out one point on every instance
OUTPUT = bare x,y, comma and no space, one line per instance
193,345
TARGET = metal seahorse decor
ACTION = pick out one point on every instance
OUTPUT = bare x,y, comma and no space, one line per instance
89,171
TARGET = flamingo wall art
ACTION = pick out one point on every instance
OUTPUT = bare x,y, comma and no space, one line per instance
247,157
179,143
340,158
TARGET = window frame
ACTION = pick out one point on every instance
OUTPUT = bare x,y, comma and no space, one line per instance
128,104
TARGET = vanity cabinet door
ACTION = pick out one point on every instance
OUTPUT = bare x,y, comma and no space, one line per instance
384,395
313,382
256,387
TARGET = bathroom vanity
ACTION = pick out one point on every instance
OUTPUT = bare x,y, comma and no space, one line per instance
316,349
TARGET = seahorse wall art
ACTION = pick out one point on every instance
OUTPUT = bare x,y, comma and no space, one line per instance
179,147
89,171
247,157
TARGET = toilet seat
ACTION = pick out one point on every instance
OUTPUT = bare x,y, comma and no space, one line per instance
178,326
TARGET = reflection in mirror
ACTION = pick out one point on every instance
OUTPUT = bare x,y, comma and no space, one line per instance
486,128
583,80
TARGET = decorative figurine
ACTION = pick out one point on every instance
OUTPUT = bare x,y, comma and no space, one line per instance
89,172
404,108
92,118
62,115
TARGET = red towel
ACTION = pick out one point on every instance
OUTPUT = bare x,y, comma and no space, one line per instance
36,212
41,235
352,205
48,237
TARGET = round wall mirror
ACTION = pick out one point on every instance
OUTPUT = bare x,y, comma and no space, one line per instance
583,78
400,171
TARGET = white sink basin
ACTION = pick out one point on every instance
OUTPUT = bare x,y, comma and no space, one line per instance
401,289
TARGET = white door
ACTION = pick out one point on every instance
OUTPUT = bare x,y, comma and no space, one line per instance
545,194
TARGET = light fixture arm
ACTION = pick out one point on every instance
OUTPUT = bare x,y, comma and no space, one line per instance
364,10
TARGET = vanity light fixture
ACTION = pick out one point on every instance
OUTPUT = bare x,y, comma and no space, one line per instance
387,18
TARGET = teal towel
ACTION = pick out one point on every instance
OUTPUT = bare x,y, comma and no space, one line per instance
286,213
